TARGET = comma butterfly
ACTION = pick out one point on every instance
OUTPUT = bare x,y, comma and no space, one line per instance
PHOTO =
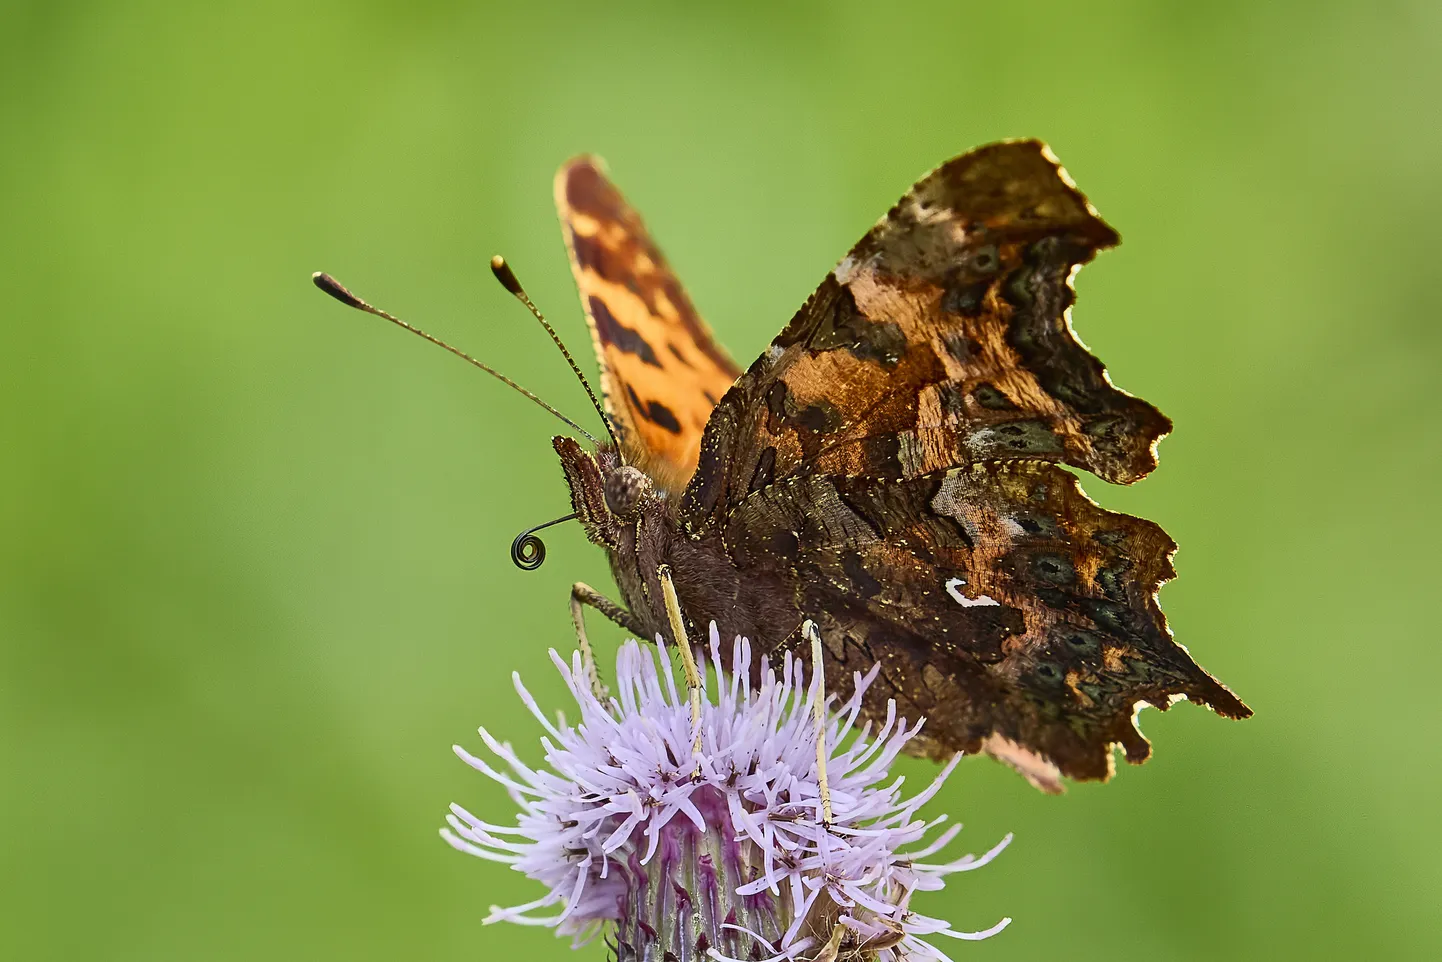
890,468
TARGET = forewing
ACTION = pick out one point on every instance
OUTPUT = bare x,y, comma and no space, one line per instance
661,372
1004,605
942,339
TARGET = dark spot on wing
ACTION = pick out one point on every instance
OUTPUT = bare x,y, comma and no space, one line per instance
809,423
765,471
983,260
784,544
862,582
655,412
820,417
1048,671
590,193
846,327
992,399
1078,639
1046,675
660,414
591,253
967,284
965,299
776,405
1054,568
613,332
1115,618
1037,525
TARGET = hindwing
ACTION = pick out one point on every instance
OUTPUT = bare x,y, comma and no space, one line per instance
1003,604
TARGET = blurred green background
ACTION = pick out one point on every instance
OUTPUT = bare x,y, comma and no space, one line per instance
254,546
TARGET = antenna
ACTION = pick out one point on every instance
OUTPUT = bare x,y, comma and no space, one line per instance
508,280
528,552
338,290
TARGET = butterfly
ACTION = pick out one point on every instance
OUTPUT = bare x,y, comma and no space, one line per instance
890,467
888,470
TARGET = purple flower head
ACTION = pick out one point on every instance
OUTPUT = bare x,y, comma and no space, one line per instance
722,853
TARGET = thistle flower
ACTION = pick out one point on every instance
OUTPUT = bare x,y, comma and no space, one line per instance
723,852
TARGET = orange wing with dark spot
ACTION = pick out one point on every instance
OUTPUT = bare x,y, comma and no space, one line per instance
661,372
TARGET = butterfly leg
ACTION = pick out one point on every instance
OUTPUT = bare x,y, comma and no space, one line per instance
583,595
688,659
818,707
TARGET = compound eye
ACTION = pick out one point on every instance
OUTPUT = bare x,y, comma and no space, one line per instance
624,490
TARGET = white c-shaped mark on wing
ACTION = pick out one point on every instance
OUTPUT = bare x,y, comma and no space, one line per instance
980,601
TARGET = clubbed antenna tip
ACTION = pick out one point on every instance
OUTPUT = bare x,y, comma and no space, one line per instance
506,276
337,290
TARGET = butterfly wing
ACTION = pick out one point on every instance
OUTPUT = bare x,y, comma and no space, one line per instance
892,459
661,372
1003,605
948,326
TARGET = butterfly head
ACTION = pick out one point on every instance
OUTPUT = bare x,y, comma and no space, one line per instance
608,496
